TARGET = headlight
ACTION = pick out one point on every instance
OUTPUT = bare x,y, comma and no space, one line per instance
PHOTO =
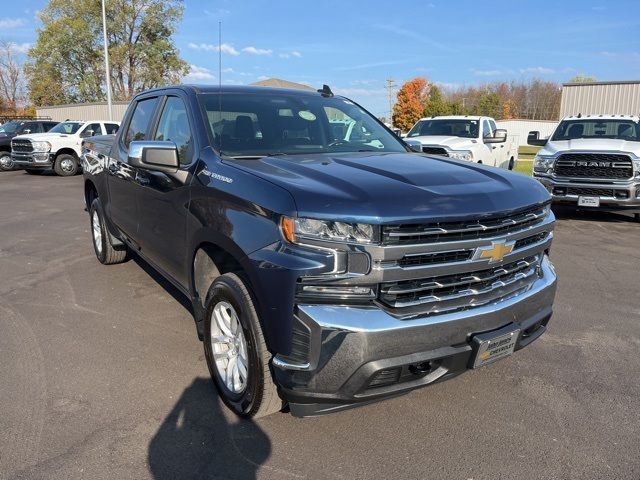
543,163
41,146
461,154
294,229
636,167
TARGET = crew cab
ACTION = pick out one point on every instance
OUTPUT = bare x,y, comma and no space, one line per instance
323,273
470,138
18,127
592,162
58,149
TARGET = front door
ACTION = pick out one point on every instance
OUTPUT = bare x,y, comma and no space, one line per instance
163,198
122,207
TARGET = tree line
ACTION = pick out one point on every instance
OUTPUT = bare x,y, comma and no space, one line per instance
536,100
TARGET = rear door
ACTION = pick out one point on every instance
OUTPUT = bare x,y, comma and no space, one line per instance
163,199
122,206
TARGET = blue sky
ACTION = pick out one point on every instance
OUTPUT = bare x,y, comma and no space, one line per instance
354,46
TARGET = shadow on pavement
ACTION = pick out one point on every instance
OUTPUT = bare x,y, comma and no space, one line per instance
197,441
177,295
571,213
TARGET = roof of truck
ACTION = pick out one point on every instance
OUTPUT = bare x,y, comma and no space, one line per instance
600,116
454,117
251,89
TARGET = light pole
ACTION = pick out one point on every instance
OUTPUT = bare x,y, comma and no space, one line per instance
106,59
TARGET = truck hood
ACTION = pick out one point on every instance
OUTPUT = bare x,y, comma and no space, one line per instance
453,143
43,136
394,187
592,145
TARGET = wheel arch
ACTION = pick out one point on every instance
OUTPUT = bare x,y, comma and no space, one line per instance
90,192
67,151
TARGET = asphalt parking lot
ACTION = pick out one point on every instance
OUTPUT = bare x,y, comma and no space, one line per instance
102,376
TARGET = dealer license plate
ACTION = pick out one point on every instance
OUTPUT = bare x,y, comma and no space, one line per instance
588,201
491,349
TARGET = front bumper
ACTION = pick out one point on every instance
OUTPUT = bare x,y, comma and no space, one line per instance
32,160
362,354
615,195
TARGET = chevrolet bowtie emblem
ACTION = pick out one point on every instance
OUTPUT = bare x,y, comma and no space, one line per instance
496,252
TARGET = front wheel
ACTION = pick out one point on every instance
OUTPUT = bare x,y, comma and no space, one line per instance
6,163
66,165
236,350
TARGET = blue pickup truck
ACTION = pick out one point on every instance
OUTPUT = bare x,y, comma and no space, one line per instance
325,270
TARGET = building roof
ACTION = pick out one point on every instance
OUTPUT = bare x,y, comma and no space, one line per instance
613,82
279,83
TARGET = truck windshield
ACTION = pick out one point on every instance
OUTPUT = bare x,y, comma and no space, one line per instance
10,127
597,128
66,127
442,127
256,125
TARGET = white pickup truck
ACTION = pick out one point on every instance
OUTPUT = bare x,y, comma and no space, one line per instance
592,161
59,148
471,138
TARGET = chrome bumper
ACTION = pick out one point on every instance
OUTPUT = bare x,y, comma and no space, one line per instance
350,344
627,198
32,159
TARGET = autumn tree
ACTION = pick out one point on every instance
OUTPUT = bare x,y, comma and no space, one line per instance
66,64
410,103
580,78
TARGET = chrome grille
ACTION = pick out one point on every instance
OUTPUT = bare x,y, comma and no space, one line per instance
22,146
460,291
457,231
594,165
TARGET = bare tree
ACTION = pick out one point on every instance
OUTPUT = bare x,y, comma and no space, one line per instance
11,77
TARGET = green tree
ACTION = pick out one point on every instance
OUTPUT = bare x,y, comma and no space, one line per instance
66,63
490,105
436,105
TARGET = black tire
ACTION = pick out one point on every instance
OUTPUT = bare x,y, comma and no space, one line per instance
6,164
636,217
260,395
106,253
512,163
66,165
33,172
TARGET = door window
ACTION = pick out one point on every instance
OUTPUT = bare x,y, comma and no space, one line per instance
111,128
92,127
174,127
486,130
140,120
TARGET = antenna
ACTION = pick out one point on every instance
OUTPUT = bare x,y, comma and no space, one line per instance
220,84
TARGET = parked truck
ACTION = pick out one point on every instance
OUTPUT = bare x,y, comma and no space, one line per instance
14,128
466,137
592,162
59,148
323,273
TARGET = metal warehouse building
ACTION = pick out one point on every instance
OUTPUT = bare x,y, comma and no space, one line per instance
83,111
601,98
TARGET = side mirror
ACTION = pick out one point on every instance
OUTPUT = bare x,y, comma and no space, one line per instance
499,136
534,139
154,155
87,133
414,145
26,131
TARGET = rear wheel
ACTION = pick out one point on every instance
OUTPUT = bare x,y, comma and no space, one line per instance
66,165
106,253
6,163
33,172
637,217
236,350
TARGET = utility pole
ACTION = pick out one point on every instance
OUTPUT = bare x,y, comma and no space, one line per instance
106,59
390,86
